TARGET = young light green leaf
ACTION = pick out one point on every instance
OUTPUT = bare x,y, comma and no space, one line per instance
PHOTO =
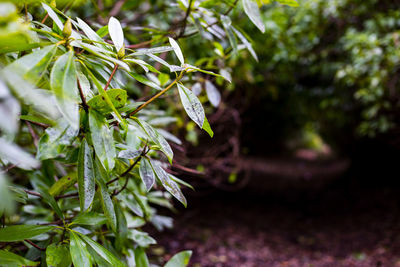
90,218
177,50
21,232
32,66
63,184
79,252
108,206
58,255
180,259
253,12
212,93
144,80
9,259
86,177
170,185
293,3
147,173
192,105
63,84
103,141
206,127
116,33
104,253
141,259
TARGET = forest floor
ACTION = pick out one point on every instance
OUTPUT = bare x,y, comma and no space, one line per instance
339,226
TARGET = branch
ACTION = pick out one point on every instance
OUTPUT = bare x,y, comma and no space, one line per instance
157,95
33,193
182,32
33,134
66,196
117,7
84,103
112,75
34,245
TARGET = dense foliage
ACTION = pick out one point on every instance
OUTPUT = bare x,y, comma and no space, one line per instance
86,104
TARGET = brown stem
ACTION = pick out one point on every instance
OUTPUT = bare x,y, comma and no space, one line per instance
33,193
84,104
117,7
66,196
34,245
139,45
112,75
182,32
38,123
33,134
157,95
45,17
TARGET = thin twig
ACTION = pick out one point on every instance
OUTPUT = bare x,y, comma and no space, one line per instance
84,104
66,196
157,95
182,32
117,7
112,75
44,19
34,245
33,193
33,134
38,123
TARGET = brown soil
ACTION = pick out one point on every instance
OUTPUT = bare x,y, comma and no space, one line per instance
340,225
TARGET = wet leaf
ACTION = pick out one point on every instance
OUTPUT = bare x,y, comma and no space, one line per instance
79,252
192,105
180,259
212,93
64,85
9,259
58,256
253,12
147,173
177,50
117,96
108,206
102,139
20,232
116,33
86,177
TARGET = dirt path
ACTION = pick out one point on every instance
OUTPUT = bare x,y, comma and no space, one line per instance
335,228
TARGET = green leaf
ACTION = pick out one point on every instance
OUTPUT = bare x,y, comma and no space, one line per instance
108,206
206,127
192,105
32,66
90,218
52,202
246,43
55,139
53,16
63,184
104,253
145,81
142,238
78,250
177,50
116,33
180,259
157,138
213,94
117,96
103,31
170,185
253,12
9,259
58,256
91,34
6,198
147,173
21,232
102,139
293,3
86,177
227,23
64,85
141,259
